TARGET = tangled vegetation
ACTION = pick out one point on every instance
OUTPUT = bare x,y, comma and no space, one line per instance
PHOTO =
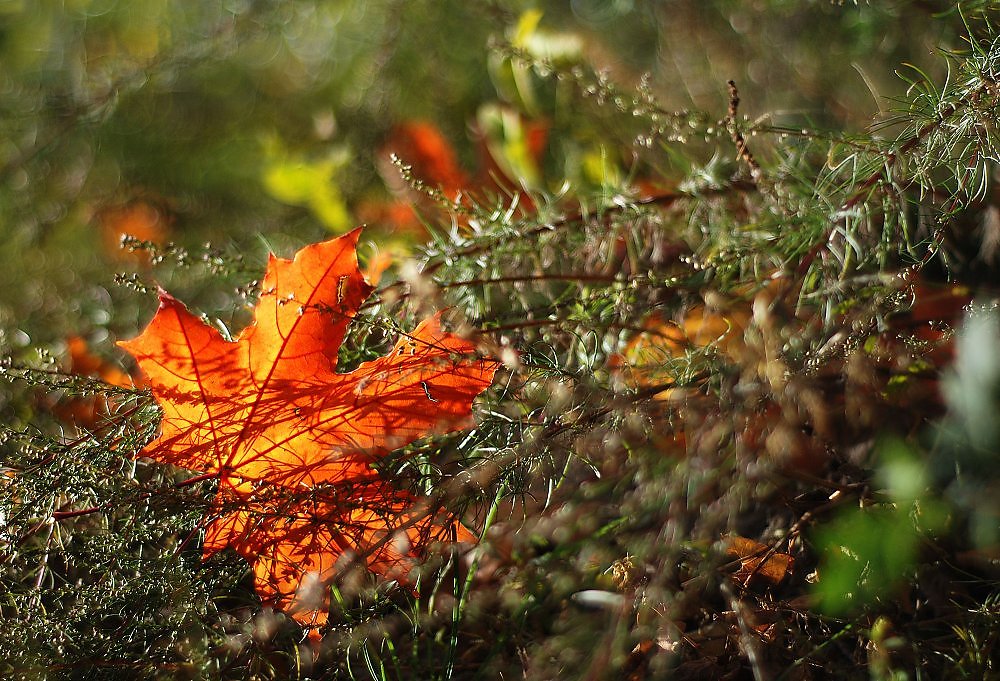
744,425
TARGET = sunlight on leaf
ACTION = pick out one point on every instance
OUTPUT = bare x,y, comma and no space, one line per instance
290,440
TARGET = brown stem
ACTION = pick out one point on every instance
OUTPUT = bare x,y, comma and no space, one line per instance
535,277
665,200
196,479
742,150
63,515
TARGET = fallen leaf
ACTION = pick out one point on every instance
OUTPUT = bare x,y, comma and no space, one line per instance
270,417
90,410
420,145
298,542
757,561
395,217
140,219
83,362
650,357
377,265
933,313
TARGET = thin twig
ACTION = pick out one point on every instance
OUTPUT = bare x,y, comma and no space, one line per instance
437,261
748,639
742,150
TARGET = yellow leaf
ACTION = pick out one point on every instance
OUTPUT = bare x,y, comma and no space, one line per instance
299,181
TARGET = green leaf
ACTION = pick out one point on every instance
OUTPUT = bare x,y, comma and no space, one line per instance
865,553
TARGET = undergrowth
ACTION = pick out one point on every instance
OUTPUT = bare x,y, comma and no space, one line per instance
745,426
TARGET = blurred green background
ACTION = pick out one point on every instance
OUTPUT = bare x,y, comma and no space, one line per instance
260,124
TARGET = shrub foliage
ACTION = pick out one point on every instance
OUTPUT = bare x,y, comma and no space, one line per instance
745,426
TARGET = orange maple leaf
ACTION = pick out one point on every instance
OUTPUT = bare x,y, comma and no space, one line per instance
431,156
291,441
139,218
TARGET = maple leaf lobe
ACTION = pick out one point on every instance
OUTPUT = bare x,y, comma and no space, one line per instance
304,309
